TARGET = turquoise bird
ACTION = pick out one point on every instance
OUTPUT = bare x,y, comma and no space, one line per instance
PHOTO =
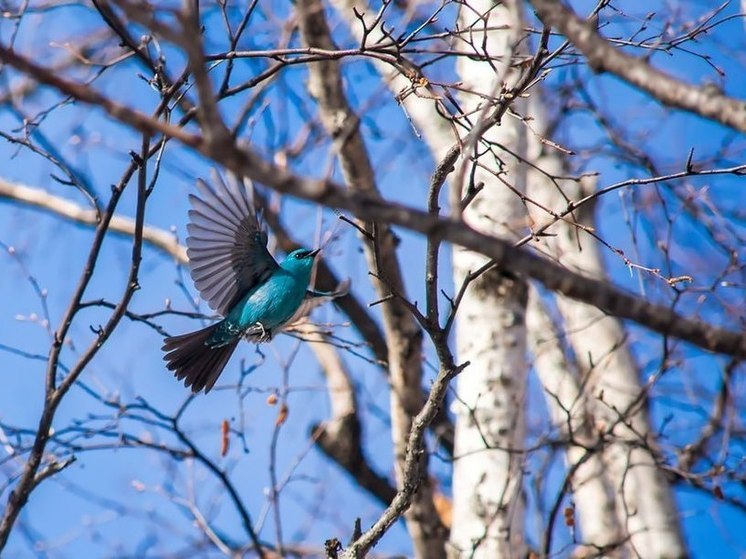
237,277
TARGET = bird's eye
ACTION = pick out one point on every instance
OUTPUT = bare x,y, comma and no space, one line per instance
299,255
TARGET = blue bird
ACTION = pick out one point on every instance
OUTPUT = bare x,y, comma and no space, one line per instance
238,277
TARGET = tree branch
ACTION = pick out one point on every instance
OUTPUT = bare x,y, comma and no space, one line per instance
412,473
554,277
340,438
82,92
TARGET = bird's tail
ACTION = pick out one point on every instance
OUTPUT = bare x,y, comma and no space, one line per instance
191,359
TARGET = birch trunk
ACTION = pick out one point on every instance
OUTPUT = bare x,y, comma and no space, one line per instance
488,305
488,503
644,501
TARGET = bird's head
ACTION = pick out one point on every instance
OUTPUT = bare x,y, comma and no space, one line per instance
300,261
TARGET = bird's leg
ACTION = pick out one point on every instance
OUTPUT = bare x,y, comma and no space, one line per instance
266,335
264,332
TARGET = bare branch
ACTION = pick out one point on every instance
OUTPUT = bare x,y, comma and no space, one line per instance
120,112
54,393
412,466
553,276
569,411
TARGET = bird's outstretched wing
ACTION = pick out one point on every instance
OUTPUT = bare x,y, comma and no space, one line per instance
226,246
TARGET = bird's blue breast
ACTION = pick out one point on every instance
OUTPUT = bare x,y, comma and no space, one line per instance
272,304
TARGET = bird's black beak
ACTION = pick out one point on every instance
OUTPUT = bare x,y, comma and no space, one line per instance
313,252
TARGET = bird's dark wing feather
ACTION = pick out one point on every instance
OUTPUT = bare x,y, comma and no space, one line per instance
226,246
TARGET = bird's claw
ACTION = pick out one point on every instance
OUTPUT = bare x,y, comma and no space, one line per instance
266,335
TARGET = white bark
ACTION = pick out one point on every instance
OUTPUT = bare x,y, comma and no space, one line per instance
39,198
488,505
644,502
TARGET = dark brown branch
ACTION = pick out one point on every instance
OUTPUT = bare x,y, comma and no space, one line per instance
340,440
340,437
553,276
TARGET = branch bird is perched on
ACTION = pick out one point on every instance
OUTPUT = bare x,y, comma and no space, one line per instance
237,276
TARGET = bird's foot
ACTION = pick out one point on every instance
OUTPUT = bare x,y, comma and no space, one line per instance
258,333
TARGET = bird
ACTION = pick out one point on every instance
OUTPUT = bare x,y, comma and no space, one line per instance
238,278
